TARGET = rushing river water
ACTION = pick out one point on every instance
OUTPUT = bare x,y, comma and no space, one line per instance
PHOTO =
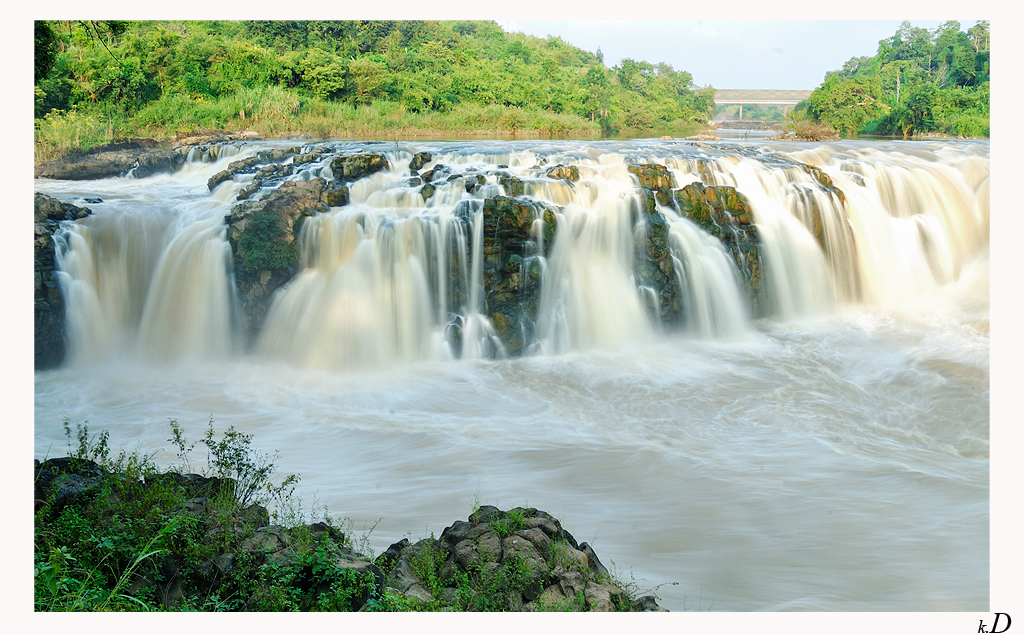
829,454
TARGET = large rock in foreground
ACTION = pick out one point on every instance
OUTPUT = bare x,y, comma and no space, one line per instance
519,560
49,303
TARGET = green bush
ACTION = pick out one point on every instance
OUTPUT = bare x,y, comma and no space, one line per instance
262,244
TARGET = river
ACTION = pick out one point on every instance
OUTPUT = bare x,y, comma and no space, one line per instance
827,453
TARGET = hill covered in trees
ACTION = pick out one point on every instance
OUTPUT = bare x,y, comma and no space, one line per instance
95,80
920,81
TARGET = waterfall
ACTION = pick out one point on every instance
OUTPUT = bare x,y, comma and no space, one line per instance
401,273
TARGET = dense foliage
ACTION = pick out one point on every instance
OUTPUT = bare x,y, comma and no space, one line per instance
283,76
919,81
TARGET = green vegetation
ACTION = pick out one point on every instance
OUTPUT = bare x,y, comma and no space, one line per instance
131,537
920,81
114,533
263,246
95,80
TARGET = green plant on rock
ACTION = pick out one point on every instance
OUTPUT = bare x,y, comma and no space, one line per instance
513,521
263,246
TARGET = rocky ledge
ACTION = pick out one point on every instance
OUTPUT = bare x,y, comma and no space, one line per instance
145,156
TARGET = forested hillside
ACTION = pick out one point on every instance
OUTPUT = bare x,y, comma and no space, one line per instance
101,79
920,81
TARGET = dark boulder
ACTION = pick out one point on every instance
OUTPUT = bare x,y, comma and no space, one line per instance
356,166
654,267
512,185
511,280
419,160
61,481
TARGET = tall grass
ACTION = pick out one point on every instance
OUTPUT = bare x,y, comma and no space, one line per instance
274,111
59,133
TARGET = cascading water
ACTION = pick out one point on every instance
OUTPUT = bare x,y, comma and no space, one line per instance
786,388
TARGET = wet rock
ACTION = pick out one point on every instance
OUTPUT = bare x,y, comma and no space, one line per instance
725,213
419,160
267,175
473,182
654,267
568,172
242,166
512,185
510,238
439,172
117,158
262,236
648,603
336,196
651,175
50,345
356,166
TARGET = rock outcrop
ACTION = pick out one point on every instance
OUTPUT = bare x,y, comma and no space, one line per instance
725,213
517,234
654,267
263,237
519,560
145,156
49,302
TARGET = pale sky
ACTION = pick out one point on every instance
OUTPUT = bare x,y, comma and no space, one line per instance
790,54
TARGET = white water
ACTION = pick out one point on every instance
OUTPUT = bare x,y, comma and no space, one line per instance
833,456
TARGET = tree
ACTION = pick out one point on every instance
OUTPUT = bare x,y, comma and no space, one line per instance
848,104
979,34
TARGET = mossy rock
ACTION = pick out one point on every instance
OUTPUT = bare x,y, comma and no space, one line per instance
567,172
356,166
263,246
651,175
512,185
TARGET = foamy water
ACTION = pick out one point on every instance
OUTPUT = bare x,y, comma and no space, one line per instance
830,456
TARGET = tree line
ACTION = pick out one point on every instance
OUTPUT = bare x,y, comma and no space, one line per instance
156,71
919,81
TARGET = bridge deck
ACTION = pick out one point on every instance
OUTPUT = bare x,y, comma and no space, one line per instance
758,96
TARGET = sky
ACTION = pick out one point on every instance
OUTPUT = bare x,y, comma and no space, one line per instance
790,54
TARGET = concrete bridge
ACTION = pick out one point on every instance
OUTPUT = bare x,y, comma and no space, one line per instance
764,97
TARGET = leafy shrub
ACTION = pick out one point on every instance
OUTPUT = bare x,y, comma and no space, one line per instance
262,244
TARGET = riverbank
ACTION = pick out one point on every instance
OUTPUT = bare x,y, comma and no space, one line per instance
116,533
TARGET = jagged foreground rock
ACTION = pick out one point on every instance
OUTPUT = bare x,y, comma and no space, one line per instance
518,560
